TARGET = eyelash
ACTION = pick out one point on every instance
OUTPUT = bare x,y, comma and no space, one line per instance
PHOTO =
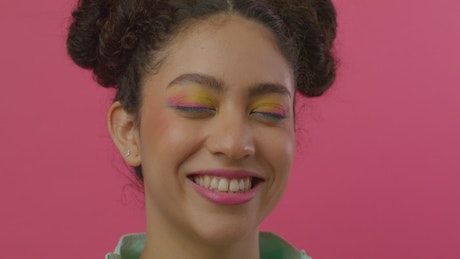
270,116
206,110
194,110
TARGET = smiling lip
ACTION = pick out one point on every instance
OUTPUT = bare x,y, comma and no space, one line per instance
224,197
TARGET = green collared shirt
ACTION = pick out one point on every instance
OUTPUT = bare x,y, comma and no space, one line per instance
270,245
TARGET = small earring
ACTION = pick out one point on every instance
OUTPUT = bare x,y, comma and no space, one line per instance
127,153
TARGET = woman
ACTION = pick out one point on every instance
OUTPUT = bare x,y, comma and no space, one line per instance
204,112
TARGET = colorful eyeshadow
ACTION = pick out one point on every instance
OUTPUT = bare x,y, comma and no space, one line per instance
195,99
271,106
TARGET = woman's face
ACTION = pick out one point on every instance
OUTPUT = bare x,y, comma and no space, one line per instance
216,132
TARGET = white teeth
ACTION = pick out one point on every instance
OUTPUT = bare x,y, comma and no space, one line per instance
234,186
214,183
247,184
221,184
207,181
241,185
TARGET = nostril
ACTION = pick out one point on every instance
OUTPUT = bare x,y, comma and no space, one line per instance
231,148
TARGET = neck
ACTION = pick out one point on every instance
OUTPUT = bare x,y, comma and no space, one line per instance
164,239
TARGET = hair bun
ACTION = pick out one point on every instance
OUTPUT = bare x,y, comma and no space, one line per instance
113,37
83,38
312,24
103,36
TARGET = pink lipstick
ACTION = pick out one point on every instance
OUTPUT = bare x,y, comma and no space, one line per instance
226,187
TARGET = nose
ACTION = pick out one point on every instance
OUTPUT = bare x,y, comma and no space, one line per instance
230,135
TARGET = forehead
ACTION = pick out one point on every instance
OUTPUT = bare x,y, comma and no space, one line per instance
237,51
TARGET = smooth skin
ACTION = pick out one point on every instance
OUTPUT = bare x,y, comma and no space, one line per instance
239,125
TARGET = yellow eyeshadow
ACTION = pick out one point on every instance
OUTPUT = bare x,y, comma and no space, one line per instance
195,98
271,105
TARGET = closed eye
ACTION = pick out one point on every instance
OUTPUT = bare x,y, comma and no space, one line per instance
269,115
195,110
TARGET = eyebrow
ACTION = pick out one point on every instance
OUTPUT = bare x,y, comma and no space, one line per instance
200,79
268,88
218,86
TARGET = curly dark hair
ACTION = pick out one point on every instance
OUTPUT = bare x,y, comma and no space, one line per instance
120,40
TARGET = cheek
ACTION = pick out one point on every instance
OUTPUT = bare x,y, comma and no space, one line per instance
285,149
164,137
279,141
279,151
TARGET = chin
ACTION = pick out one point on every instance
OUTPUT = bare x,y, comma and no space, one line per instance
224,230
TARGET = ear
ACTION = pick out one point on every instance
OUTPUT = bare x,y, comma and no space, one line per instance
125,134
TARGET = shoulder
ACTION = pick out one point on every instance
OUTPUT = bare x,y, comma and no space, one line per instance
130,246
273,246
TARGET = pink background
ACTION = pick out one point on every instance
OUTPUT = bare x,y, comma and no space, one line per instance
378,169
